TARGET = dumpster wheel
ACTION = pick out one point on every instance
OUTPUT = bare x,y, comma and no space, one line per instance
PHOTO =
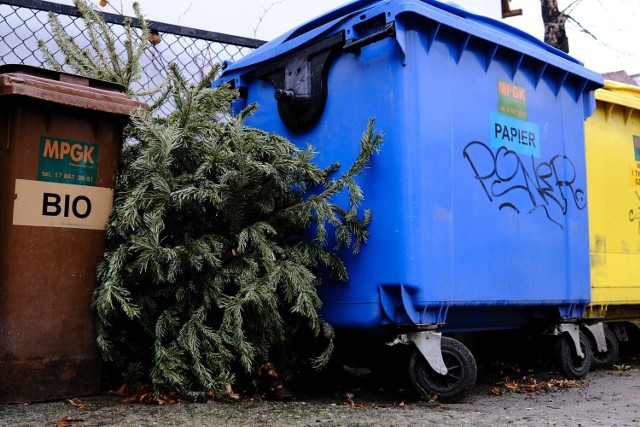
456,383
606,359
569,363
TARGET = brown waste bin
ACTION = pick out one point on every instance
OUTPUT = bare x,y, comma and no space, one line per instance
60,139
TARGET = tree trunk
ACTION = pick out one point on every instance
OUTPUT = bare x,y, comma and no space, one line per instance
554,21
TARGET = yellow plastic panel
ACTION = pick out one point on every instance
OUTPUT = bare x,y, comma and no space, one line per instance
613,171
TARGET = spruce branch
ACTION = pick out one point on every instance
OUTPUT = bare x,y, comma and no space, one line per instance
102,59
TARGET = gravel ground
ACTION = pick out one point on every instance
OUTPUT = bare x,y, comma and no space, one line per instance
604,398
517,386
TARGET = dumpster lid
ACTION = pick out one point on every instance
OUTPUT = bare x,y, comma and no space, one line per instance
65,89
449,14
619,94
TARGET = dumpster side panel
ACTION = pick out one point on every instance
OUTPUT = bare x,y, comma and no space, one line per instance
519,234
517,237
613,160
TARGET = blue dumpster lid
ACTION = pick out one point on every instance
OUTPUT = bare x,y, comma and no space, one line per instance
448,14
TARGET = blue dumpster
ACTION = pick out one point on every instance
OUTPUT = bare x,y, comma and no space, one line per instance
479,194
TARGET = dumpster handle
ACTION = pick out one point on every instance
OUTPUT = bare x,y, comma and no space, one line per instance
300,79
354,45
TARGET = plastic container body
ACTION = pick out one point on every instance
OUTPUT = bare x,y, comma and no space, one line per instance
60,137
479,193
613,165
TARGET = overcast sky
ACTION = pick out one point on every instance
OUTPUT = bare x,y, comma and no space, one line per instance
606,36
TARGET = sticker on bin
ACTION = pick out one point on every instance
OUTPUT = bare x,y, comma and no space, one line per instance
635,174
512,100
514,134
634,167
48,204
67,161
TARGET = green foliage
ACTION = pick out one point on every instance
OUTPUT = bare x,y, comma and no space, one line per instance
104,58
209,260
622,367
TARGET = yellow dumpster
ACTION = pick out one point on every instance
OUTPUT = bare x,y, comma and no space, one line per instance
613,180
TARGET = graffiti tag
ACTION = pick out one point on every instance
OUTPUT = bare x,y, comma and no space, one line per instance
523,184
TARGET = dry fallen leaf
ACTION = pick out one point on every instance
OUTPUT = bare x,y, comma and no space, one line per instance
510,384
77,403
497,390
231,394
530,385
122,389
154,38
66,421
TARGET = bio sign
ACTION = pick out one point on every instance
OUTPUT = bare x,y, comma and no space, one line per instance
49,204
509,126
67,161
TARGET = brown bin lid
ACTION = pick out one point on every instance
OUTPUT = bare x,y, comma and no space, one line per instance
65,89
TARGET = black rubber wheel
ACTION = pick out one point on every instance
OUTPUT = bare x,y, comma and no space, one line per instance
449,388
607,359
569,363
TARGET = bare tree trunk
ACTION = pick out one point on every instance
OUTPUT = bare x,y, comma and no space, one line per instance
554,21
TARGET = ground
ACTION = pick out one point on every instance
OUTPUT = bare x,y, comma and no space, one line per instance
605,398
507,393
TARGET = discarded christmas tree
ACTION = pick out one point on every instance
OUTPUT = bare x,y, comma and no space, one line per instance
217,243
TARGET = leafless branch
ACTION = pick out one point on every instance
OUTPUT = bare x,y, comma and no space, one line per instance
263,14
567,10
582,28
185,12
601,42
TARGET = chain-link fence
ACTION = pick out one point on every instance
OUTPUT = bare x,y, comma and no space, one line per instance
24,22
